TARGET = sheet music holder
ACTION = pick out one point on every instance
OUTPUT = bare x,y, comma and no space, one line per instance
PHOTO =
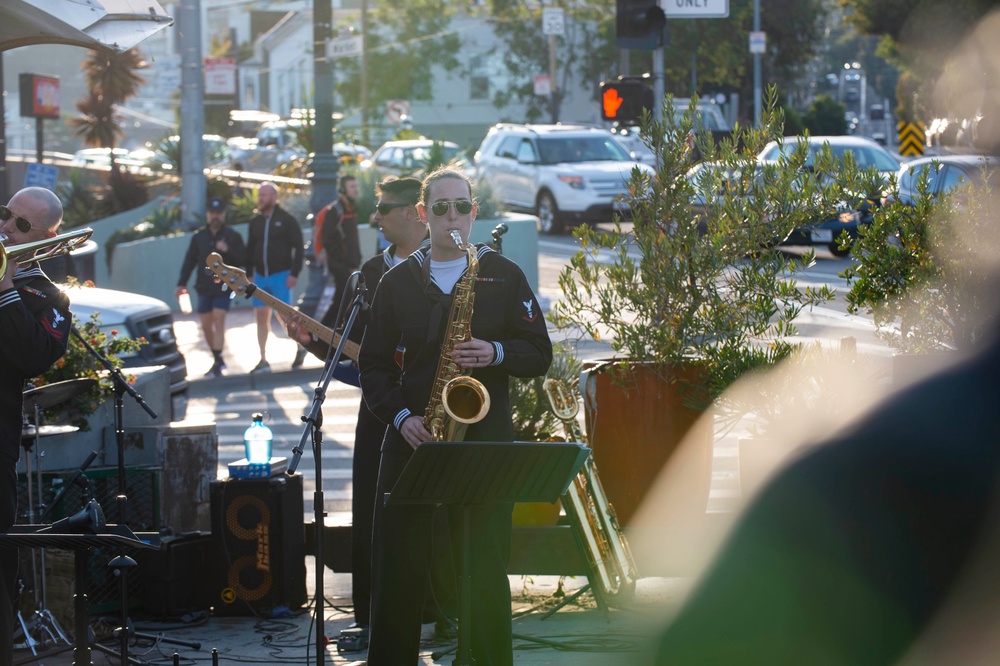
471,473
120,536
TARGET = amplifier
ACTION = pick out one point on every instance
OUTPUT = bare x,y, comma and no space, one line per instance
178,578
258,534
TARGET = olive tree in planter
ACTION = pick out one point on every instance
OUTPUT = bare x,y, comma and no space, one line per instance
926,271
689,297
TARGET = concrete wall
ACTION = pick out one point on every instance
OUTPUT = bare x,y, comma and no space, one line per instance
150,266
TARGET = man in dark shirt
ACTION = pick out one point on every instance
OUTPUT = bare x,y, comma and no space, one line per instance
274,260
340,243
34,333
213,300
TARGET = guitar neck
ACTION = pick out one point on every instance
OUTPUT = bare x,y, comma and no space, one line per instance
318,330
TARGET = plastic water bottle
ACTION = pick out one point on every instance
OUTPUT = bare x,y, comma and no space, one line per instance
184,301
257,440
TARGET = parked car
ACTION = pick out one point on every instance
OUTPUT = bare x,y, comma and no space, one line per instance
165,155
849,215
867,153
407,157
954,170
137,316
564,174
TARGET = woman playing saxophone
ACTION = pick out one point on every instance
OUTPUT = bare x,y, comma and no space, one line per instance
413,309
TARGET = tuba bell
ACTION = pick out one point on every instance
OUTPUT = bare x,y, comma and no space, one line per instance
41,250
613,573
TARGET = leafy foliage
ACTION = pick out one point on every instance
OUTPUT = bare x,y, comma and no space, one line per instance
825,117
706,289
79,363
406,41
926,272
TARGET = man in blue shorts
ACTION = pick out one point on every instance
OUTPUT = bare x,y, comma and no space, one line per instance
274,260
213,300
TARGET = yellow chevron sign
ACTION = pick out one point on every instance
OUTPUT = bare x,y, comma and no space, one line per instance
911,139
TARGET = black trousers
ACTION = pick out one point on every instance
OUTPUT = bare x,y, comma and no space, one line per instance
402,558
368,438
8,558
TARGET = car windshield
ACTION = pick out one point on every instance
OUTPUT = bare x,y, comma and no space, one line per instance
704,119
864,156
556,150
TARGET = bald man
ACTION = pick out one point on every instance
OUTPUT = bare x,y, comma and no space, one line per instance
34,333
274,260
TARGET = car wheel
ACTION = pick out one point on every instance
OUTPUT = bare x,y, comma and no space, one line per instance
548,215
837,252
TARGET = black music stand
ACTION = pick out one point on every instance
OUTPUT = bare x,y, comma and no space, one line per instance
28,536
471,473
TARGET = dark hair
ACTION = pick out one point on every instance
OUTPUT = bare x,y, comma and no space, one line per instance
442,173
406,190
342,183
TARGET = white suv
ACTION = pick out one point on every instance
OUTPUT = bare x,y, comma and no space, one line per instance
564,174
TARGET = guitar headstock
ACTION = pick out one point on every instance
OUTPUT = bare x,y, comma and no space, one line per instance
230,276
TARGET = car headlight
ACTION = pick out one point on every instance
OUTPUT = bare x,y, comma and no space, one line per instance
576,182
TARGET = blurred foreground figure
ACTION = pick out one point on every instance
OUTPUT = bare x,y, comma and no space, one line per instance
849,552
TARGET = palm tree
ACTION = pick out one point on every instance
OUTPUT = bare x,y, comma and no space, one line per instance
112,79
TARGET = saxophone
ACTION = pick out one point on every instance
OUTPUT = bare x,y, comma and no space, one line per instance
457,399
595,524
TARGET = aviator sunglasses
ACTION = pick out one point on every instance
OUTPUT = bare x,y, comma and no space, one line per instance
384,208
22,224
462,207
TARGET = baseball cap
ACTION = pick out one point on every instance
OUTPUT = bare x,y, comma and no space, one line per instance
216,204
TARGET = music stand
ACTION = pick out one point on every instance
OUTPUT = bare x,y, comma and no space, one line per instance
28,536
472,473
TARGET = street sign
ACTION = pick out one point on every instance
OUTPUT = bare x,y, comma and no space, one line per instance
396,109
911,139
343,47
543,85
758,42
695,8
41,175
553,21
220,76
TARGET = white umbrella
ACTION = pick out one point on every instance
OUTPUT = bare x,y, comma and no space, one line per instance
115,24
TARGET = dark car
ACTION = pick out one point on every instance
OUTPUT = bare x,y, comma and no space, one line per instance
850,214
954,170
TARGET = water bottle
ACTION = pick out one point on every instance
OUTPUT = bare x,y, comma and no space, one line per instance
257,440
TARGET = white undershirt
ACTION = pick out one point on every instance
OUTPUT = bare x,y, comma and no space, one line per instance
446,273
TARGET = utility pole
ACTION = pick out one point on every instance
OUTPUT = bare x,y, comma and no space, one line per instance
756,68
364,72
324,166
192,114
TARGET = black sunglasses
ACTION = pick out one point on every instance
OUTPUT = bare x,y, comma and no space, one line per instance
462,207
22,224
384,208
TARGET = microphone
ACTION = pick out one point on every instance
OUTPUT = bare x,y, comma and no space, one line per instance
361,291
499,231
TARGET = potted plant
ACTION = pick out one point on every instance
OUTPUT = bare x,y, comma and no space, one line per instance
695,293
925,270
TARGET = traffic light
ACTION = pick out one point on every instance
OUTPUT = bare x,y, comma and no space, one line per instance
624,100
640,24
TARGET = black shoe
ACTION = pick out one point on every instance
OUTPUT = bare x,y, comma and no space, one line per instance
215,370
300,357
261,367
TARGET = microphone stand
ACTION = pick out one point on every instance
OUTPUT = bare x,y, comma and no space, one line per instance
122,562
314,422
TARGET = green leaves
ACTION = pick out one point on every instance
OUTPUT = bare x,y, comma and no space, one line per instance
697,279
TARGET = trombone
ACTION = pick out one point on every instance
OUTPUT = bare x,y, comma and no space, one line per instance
41,250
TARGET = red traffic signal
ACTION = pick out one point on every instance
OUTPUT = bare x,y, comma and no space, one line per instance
623,101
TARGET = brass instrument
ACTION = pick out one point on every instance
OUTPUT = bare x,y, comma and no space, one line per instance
457,400
609,559
26,253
